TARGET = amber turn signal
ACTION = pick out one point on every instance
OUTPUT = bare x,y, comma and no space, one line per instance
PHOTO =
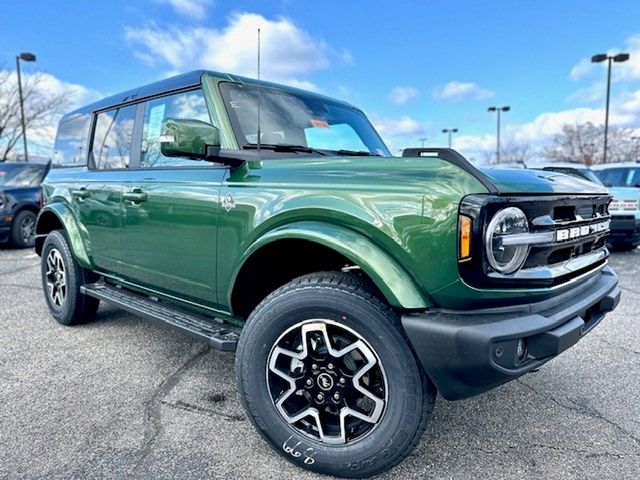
464,239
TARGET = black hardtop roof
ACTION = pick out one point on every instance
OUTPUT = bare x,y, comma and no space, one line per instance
179,82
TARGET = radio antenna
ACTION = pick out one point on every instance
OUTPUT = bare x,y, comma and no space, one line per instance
259,97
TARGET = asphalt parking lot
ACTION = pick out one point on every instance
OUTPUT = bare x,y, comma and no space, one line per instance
123,398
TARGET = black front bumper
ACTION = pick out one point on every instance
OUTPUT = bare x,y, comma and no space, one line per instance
5,229
467,353
624,229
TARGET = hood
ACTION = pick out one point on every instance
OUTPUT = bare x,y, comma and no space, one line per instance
12,190
536,182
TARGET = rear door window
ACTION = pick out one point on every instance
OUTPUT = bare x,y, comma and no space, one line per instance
71,141
113,138
633,177
185,105
614,177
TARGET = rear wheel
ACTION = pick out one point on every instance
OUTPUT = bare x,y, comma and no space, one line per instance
328,378
23,229
62,278
624,246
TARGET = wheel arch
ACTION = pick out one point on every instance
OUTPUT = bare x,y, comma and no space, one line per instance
336,244
26,206
59,217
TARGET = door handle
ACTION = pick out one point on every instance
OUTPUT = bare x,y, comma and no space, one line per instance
81,193
135,196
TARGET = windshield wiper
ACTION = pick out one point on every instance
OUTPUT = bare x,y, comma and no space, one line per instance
357,153
284,147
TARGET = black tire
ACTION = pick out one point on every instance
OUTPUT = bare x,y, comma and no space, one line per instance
624,246
347,301
67,305
23,229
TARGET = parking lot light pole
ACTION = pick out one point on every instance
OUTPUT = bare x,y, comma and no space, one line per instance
449,131
423,140
26,57
506,108
601,57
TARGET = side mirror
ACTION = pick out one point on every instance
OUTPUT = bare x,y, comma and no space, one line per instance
187,138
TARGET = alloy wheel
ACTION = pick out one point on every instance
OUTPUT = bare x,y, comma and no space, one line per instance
327,382
27,229
56,278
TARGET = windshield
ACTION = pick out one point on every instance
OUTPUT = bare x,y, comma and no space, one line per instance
298,119
621,177
592,177
15,176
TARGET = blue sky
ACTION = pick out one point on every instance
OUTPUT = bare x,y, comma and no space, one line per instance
414,66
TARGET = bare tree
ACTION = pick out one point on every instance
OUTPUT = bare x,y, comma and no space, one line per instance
578,143
511,152
584,143
41,108
515,152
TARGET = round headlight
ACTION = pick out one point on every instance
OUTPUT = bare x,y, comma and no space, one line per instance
506,258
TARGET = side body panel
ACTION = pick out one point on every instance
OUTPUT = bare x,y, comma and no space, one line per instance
18,198
170,240
405,209
91,220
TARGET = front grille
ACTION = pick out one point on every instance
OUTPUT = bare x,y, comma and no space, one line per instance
567,219
570,234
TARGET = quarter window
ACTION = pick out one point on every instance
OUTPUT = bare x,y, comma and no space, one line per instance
187,105
113,138
71,141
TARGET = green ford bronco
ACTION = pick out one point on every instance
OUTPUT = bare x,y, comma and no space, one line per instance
351,284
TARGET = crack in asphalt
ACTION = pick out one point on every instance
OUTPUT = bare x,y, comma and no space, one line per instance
19,269
582,409
631,290
153,413
615,345
188,407
17,285
587,453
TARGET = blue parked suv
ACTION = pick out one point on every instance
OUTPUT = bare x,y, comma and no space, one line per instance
20,201
623,181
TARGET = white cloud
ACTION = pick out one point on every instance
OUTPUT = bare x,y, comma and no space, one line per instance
581,68
195,9
399,132
403,95
287,50
591,94
539,132
77,95
403,126
462,91
303,84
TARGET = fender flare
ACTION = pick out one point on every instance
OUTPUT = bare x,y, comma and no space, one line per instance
390,278
72,232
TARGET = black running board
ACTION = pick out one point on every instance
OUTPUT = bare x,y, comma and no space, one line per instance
218,335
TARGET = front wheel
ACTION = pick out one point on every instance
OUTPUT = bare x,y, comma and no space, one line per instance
329,379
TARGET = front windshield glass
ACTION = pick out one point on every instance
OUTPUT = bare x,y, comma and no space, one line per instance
300,119
17,176
591,176
621,177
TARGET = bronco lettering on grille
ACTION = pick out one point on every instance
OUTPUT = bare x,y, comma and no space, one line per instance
583,231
